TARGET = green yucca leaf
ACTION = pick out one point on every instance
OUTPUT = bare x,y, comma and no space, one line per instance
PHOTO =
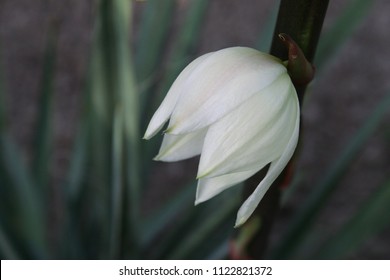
30,219
222,208
43,133
26,221
155,24
77,165
117,186
370,219
107,144
128,98
98,125
6,249
29,222
88,186
189,220
154,225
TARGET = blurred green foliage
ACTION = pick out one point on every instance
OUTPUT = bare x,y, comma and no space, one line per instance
111,166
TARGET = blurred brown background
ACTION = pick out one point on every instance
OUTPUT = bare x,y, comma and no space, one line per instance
338,101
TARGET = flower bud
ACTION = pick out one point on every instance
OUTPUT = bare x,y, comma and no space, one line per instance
238,109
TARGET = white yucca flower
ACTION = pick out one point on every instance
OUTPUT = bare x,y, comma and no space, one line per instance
239,110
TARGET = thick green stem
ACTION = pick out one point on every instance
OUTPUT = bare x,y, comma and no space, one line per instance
302,20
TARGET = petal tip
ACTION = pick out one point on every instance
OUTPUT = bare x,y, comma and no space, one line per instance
239,222
156,158
204,174
149,134
200,175
146,137
198,201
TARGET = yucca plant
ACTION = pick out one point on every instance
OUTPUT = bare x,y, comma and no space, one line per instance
104,206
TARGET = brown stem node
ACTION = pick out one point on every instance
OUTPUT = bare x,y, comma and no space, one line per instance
300,70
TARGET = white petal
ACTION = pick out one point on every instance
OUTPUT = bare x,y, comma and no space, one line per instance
274,171
165,110
254,134
183,146
209,187
219,84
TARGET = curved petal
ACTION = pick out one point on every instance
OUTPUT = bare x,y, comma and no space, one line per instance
209,187
163,112
254,134
274,171
179,147
221,83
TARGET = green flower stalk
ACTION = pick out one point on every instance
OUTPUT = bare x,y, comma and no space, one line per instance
238,109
